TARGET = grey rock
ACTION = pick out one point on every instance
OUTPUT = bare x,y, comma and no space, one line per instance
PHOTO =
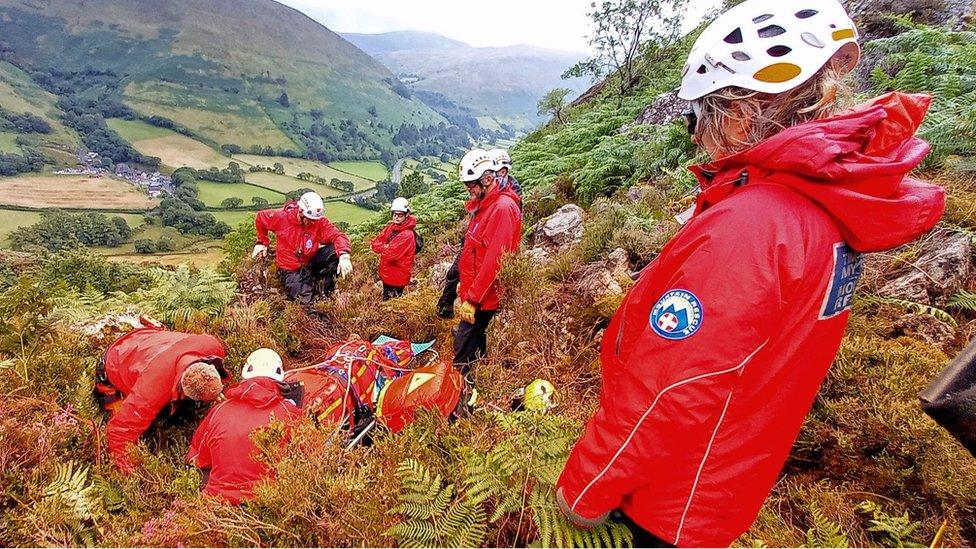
563,228
940,271
603,278
666,108
926,328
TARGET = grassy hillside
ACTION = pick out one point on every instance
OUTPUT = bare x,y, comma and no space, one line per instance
231,71
20,94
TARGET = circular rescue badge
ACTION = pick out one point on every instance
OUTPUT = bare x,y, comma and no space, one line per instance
677,315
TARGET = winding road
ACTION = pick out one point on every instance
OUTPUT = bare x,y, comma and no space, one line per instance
397,171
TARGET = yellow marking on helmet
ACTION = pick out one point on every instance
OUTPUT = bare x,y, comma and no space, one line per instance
843,34
777,73
418,380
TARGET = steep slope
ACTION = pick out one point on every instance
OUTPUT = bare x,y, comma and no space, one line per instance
246,72
503,83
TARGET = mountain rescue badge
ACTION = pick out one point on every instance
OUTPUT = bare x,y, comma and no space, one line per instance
677,315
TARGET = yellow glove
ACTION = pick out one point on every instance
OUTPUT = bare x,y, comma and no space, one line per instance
466,312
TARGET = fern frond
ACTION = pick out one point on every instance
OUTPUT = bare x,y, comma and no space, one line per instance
71,484
964,300
825,532
914,307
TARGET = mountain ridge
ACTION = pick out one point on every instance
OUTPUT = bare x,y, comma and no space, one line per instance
504,83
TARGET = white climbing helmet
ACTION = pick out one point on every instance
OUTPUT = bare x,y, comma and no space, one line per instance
400,204
474,165
311,205
263,362
501,158
770,46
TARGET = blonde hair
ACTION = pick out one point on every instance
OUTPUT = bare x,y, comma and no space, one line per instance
765,114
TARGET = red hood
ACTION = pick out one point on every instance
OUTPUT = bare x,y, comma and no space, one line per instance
474,204
853,165
408,225
260,392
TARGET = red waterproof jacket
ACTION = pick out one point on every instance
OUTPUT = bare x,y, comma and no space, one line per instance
495,229
298,242
222,442
714,359
397,246
147,365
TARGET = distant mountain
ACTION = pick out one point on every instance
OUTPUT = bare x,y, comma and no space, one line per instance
242,72
402,41
502,83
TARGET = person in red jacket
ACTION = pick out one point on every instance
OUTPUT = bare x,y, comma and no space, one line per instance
495,228
397,246
507,184
222,446
709,372
150,372
311,250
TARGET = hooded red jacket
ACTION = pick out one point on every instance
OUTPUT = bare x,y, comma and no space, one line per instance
147,365
222,442
297,242
397,246
713,360
495,229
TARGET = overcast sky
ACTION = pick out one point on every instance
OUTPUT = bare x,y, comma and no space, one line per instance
557,24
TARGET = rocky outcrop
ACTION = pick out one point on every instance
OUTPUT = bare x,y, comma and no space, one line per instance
926,328
557,232
605,278
665,109
944,265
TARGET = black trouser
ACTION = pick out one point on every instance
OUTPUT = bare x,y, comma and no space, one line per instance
389,292
471,341
642,538
450,293
316,278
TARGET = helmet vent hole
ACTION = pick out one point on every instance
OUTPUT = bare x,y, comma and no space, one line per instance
771,31
685,70
806,14
702,69
761,18
740,56
734,37
778,51
812,40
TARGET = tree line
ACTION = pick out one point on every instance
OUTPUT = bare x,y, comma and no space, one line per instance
58,230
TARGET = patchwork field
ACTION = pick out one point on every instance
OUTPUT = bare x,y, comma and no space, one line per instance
212,194
71,191
374,171
233,218
335,211
295,166
286,184
349,213
175,150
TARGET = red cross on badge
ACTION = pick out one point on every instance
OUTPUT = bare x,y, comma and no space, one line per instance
667,322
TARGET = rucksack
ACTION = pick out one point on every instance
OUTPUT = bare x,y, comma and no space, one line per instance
417,239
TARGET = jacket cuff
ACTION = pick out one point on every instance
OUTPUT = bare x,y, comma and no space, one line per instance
576,519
